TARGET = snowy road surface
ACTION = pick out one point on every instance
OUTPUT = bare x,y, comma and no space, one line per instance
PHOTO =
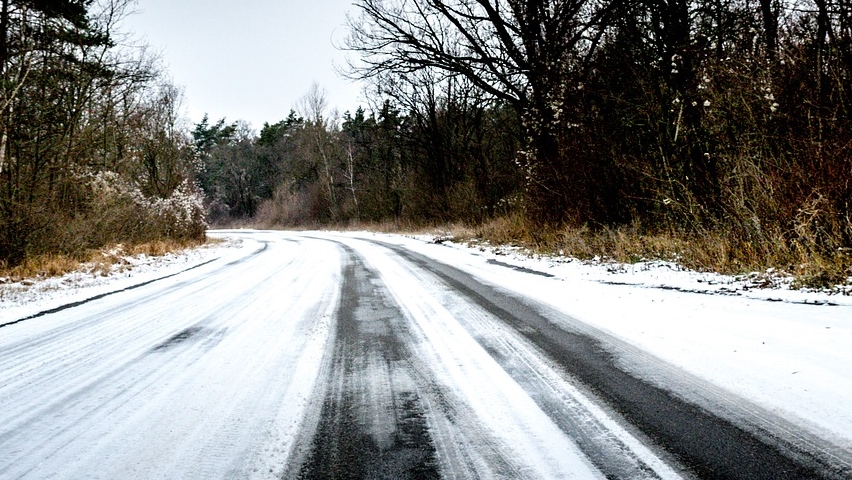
318,355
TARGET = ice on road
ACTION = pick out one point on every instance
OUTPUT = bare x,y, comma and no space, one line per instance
320,355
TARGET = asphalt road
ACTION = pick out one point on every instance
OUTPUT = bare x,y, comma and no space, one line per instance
318,356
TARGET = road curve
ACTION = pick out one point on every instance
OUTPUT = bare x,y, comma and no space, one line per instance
315,355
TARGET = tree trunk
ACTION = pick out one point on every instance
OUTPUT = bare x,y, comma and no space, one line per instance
769,12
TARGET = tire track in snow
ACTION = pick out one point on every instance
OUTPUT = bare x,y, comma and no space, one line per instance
88,343
479,426
77,303
102,401
372,422
711,446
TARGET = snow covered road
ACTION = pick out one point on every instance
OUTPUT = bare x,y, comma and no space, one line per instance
318,355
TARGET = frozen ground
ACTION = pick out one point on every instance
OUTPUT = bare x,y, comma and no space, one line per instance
216,369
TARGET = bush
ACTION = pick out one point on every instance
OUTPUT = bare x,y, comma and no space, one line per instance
121,213
102,209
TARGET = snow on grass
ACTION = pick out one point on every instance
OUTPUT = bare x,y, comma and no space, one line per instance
770,285
31,296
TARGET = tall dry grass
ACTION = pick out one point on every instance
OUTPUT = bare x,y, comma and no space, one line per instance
94,261
719,250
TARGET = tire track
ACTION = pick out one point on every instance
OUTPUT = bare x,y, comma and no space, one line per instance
373,421
396,382
103,401
710,446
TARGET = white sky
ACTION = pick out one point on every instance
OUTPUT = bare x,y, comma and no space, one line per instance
249,59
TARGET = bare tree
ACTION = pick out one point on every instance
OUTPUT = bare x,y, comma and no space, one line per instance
163,151
349,174
312,106
526,53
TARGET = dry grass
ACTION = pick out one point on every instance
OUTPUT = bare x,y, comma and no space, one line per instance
94,261
716,251
41,266
404,227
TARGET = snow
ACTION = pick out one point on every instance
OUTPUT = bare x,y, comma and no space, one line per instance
498,401
785,350
31,296
714,339
206,374
499,404
770,285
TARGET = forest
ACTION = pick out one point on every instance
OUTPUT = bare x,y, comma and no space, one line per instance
716,133
93,150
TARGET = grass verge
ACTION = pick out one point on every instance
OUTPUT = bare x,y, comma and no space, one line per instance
100,261
709,251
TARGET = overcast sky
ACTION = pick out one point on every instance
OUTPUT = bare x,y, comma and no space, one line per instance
249,59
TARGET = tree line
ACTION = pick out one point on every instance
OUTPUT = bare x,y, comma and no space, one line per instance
93,149
665,116
677,116
448,159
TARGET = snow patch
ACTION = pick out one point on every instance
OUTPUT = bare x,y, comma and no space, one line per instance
31,296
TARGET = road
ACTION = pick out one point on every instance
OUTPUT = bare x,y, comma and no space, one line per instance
317,356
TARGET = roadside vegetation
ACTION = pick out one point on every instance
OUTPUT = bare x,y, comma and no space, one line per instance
706,251
715,134
93,151
102,261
